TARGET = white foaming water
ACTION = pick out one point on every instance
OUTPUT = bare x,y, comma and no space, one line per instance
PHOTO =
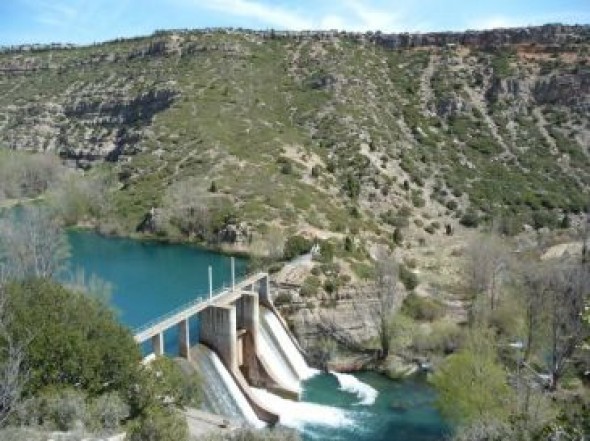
349,383
235,392
297,414
272,356
293,355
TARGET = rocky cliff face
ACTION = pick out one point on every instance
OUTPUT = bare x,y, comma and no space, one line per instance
543,35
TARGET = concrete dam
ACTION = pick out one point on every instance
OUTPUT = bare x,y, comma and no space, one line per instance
245,350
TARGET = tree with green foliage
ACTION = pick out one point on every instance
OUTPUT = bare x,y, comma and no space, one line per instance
73,339
472,385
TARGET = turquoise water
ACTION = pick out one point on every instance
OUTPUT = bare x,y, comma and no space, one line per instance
150,279
403,410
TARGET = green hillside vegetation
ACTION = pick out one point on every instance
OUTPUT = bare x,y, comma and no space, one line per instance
325,132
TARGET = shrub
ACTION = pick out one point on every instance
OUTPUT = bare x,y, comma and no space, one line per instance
408,278
275,434
283,298
296,246
287,168
469,219
275,268
418,201
159,424
164,383
398,237
348,244
543,219
108,410
452,205
65,409
352,186
326,254
444,337
310,287
331,285
422,308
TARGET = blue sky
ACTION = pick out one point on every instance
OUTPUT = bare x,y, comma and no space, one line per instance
87,21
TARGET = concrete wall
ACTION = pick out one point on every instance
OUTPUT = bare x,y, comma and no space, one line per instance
218,330
264,291
247,311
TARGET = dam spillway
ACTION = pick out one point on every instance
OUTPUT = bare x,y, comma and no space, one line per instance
240,326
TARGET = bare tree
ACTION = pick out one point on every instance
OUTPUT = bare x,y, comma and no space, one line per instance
188,207
387,298
374,305
534,289
32,244
11,366
487,258
568,287
78,197
24,175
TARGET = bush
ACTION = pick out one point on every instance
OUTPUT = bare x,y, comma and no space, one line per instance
108,410
296,246
163,383
159,424
444,337
331,285
283,298
452,205
65,409
469,219
422,308
408,278
326,254
310,287
398,237
274,434
543,219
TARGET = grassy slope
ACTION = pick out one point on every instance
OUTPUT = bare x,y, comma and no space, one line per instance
244,103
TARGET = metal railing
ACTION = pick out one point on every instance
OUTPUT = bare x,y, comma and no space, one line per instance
216,294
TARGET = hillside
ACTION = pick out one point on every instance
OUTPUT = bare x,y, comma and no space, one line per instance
329,133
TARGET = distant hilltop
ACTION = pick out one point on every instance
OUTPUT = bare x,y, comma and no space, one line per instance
546,35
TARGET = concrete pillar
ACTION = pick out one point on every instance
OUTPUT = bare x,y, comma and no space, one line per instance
264,290
233,273
218,330
184,339
210,282
248,314
248,317
158,344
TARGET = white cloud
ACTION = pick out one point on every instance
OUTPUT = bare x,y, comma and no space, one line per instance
354,15
500,21
53,13
267,14
367,18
